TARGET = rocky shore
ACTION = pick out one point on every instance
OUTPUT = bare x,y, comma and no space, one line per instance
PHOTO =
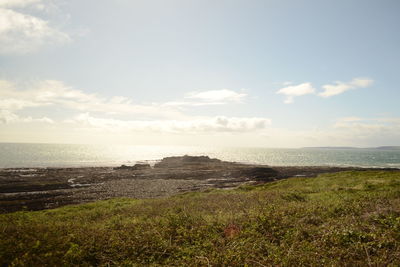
43,188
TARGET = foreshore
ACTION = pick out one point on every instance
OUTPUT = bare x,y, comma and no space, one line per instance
44,188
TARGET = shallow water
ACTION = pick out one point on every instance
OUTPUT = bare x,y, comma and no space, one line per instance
62,155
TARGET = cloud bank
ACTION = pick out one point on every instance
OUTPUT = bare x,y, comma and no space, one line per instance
151,118
9,117
194,126
29,110
56,93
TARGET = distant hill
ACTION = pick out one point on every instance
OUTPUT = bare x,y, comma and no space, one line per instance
388,148
330,147
348,147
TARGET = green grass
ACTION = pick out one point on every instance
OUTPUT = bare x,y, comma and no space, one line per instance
343,219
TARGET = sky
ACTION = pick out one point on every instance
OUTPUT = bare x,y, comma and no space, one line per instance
259,73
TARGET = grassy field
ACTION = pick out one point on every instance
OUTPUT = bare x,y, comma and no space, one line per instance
342,219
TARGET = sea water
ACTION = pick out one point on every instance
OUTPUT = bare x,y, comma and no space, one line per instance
13,155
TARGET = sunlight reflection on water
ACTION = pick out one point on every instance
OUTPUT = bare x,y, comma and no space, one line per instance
59,155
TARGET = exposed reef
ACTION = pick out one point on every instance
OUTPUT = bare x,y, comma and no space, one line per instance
42,188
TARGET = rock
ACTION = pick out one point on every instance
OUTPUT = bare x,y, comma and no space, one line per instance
176,162
138,166
122,167
260,173
141,166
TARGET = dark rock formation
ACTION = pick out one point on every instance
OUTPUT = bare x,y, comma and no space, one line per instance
141,166
138,166
123,167
259,173
176,162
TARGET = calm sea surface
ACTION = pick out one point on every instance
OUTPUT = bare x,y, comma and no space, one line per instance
57,155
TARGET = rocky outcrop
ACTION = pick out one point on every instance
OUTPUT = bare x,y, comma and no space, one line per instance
177,162
259,174
136,167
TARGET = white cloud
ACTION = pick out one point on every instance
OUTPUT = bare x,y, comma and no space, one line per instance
56,93
7,116
367,132
368,124
18,104
296,90
52,92
194,126
209,98
191,104
338,87
341,87
19,3
350,119
12,99
217,96
347,121
361,82
160,118
349,131
23,33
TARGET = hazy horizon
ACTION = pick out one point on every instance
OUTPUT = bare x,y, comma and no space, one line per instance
273,74
199,146
28,155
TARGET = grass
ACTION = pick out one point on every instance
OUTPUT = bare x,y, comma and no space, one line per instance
342,219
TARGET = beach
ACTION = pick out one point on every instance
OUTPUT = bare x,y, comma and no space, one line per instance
45,188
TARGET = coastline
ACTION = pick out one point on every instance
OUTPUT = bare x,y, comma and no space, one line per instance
44,188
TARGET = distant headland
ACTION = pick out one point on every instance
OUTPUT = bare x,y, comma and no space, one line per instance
349,147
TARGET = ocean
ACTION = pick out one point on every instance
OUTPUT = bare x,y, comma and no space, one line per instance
13,155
